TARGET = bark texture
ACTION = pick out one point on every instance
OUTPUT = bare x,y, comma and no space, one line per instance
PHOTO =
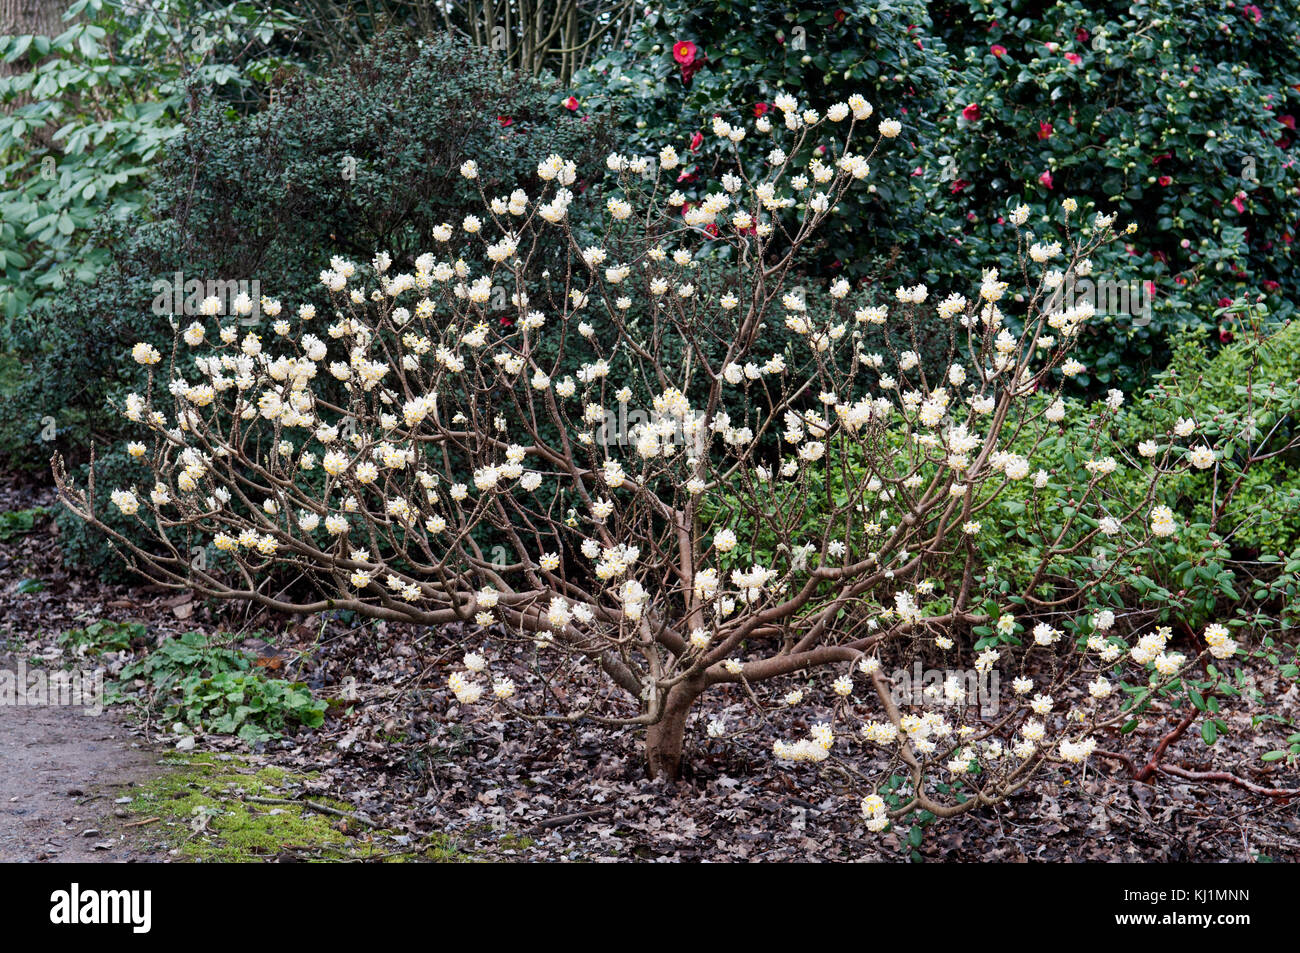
665,739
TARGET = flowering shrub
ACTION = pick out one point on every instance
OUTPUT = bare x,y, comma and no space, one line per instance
1221,432
633,569
262,200
1180,115
688,61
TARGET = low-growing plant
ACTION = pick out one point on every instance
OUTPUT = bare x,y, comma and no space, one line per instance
246,704
15,523
630,577
210,687
103,635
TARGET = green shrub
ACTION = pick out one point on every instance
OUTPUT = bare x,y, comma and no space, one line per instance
1179,116
96,106
15,523
104,635
1241,544
364,157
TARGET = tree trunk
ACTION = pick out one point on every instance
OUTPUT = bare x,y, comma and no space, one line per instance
34,17
24,18
664,739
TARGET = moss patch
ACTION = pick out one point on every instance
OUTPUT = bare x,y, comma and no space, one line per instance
211,808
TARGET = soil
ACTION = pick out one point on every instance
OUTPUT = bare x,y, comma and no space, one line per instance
61,770
399,748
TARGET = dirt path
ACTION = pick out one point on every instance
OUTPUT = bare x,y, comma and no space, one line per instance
60,773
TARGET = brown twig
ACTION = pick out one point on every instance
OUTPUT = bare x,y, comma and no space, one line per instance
563,819
1228,778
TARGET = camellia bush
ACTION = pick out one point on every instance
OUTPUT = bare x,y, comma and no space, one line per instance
633,576
1179,115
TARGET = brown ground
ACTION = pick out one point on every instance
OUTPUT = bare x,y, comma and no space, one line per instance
404,754
60,772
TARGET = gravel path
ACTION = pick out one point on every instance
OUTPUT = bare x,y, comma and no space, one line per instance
60,772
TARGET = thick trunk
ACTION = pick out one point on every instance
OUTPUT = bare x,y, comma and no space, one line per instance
34,18
665,738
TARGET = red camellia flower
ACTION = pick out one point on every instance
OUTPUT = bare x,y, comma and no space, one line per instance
689,59
712,230
1045,179
1074,58
1254,12
1270,285
571,104
997,49
971,112
1237,202
504,120
1044,130
1224,302
760,109
1287,120
696,140
1081,35
958,186
1164,180
839,16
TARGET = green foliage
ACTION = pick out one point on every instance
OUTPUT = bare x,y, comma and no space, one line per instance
104,635
190,654
96,106
249,705
213,688
1237,555
364,157
1291,754
15,523
751,53
1239,549
1178,115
